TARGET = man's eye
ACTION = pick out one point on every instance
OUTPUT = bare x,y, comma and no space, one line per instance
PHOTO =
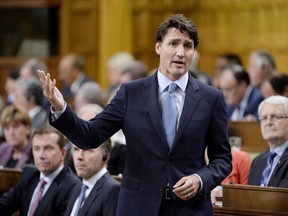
187,46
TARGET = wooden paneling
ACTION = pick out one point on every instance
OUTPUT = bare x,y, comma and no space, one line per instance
28,3
238,26
79,23
250,133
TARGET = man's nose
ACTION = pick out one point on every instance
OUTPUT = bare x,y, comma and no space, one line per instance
180,51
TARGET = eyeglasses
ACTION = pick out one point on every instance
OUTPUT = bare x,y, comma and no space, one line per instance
273,117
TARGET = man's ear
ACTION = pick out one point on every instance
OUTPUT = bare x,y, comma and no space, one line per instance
285,92
64,152
158,48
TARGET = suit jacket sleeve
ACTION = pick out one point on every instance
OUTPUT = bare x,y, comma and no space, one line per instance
218,149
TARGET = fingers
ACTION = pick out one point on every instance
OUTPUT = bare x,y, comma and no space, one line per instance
187,187
47,85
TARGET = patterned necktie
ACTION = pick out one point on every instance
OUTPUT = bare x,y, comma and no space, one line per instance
169,114
81,198
267,170
38,196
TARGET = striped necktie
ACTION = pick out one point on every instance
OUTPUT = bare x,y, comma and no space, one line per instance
268,168
38,197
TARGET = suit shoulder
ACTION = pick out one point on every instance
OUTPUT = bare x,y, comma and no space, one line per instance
207,88
30,170
138,82
260,156
70,174
68,177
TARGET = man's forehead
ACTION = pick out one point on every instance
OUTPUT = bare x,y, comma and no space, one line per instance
174,31
272,107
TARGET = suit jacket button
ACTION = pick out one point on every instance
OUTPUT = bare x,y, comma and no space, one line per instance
161,188
168,162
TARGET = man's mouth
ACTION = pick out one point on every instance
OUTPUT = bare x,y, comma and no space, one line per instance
178,62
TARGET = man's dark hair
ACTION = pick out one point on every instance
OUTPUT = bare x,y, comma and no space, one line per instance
78,62
239,73
47,129
31,88
279,83
232,58
180,22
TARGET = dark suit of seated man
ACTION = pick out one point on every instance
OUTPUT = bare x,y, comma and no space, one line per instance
102,190
49,154
270,168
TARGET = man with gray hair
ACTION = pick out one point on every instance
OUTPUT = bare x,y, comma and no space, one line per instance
29,94
31,66
89,92
115,65
270,168
261,66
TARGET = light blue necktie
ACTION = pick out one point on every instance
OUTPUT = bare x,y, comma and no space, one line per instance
81,198
169,114
267,170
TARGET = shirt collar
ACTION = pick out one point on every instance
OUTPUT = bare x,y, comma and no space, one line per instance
94,179
164,81
281,148
49,179
34,111
244,101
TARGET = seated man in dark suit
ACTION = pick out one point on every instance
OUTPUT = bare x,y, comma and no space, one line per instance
241,98
270,168
101,189
43,190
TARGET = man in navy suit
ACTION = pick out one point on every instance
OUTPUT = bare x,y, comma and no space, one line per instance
49,153
273,115
159,179
241,98
101,196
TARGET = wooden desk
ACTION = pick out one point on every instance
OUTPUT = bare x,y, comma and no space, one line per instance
8,178
253,201
225,211
250,132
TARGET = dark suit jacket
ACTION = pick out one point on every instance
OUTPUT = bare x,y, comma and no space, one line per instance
54,201
102,200
254,100
279,176
149,162
116,162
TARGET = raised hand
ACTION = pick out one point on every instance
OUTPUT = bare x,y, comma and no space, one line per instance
50,91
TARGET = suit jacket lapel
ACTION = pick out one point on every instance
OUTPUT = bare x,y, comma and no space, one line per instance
151,99
281,161
72,199
91,199
50,193
30,191
190,104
